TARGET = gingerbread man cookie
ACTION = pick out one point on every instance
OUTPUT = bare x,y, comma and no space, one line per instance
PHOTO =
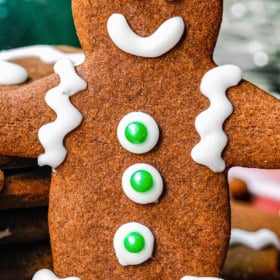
138,188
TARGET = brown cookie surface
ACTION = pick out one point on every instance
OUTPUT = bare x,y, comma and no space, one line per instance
184,221
26,188
245,262
37,60
190,222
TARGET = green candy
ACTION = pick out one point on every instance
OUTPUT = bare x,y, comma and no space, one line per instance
136,132
141,181
134,242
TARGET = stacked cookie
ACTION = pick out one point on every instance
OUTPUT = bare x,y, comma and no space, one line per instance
24,238
255,239
24,186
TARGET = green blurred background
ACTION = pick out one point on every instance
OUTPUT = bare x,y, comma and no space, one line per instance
250,33
25,22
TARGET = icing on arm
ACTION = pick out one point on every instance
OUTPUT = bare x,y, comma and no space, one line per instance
52,134
46,274
209,124
255,240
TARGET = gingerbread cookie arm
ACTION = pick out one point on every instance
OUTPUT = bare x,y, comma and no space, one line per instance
253,129
23,112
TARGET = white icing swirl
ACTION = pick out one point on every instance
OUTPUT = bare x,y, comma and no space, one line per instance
46,274
160,42
5,233
209,124
126,258
196,278
255,240
46,53
11,73
52,134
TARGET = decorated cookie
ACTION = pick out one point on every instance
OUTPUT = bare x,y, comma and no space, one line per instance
26,64
254,244
25,188
148,95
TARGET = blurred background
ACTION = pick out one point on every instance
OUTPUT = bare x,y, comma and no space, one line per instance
250,34
250,38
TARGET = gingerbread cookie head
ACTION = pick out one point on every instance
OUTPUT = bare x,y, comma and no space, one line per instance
201,20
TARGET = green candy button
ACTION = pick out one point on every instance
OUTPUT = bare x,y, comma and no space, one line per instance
141,181
134,242
136,132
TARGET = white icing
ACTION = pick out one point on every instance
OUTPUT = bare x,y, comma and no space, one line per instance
68,118
160,42
255,240
5,233
261,182
46,274
11,73
126,258
46,53
150,196
153,132
196,278
209,124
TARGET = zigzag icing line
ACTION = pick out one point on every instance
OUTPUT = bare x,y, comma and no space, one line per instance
209,124
68,118
255,240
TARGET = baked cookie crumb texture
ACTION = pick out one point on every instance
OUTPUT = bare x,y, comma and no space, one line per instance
134,191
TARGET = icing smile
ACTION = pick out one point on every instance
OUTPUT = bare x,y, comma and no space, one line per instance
160,42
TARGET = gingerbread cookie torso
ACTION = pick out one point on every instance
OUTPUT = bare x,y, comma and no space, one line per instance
184,219
136,137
